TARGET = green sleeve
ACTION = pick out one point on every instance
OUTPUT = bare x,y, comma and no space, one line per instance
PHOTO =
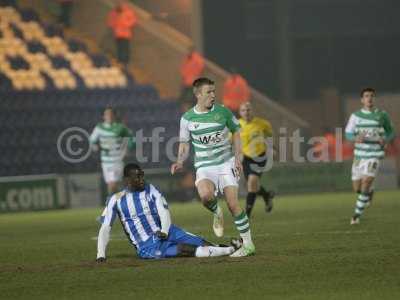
232,123
94,137
388,126
127,133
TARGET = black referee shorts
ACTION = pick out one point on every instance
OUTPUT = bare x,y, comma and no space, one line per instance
254,166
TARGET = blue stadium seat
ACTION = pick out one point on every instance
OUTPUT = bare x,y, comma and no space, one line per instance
12,3
100,60
28,14
75,46
32,120
49,82
59,62
5,83
17,32
52,30
18,63
36,47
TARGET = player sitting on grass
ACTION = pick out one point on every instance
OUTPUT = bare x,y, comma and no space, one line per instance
146,220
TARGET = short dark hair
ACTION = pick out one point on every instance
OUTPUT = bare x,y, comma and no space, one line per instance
130,167
199,82
365,90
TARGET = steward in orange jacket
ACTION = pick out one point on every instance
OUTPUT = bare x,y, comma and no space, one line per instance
192,67
236,92
122,20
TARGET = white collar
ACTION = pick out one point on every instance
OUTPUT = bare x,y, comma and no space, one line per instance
202,112
365,111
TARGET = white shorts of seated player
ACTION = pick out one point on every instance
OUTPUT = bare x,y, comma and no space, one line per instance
112,172
365,168
222,175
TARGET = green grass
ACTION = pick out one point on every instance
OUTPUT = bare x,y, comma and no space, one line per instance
306,249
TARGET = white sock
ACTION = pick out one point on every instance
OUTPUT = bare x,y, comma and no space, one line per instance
218,211
246,238
243,226
208,251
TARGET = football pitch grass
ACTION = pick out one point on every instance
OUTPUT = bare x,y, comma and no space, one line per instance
306,249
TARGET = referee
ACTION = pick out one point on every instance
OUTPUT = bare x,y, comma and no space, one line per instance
253,133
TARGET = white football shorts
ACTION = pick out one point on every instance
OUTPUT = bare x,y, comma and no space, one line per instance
364,168
222,175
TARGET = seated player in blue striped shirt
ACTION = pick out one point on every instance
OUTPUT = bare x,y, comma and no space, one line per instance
146,220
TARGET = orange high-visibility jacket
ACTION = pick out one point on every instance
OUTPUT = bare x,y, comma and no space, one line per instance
122,22
191,68
236,92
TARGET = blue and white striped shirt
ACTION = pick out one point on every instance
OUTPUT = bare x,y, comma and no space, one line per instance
138,212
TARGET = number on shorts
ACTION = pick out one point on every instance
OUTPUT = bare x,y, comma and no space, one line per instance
372,166
356,162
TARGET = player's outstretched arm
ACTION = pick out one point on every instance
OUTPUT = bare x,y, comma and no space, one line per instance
237,148
94,140
108,217
183,154
183,150
102,242
164,214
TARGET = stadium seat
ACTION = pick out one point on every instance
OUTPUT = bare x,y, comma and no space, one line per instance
48,84
29,15
76,46
52,30
16,31
44,48
34,46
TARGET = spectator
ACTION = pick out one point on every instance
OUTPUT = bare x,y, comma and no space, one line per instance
122,20
347,150
65,12
326,151
192,67
236,91
393,148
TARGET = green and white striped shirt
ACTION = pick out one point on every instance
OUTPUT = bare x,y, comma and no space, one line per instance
209,133
374,125
113,139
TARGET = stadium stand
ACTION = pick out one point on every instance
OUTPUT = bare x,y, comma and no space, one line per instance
30,50
49,83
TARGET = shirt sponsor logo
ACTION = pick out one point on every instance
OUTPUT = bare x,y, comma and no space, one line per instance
211,139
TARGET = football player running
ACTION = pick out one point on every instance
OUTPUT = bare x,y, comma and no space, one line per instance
209,126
